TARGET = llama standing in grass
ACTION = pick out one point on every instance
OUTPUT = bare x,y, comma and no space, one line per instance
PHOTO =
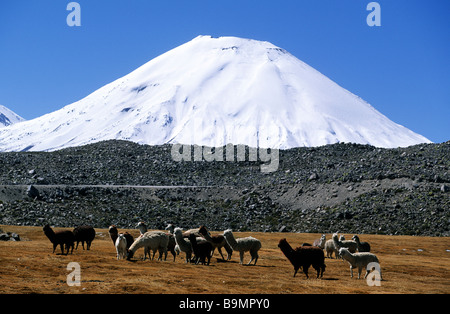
201,250
64,238
330,249
303,257
183,245
243,245
320,242
170,247
150,241
352,246
82,234
360,261
114,233
217,241
362,246
121,246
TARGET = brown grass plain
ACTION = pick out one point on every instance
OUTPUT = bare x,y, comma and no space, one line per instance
410,265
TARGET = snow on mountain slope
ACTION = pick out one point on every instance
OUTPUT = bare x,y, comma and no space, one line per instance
8,117
214,91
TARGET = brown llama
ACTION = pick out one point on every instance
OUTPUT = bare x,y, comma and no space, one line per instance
84,234
217,241
304,257
62,238
202,250
114,233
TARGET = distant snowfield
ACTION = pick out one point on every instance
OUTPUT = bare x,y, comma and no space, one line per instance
215,91
7,117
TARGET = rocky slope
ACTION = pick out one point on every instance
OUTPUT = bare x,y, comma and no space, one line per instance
343,187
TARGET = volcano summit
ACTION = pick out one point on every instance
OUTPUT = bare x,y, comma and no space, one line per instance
215,91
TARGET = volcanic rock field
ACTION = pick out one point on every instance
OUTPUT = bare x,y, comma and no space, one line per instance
348,188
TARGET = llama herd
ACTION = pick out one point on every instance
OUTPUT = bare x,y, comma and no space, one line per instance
308,254
198,246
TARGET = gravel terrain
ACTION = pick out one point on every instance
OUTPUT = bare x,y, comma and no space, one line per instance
343,187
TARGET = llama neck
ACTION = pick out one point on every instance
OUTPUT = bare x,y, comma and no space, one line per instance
336,242
349,257
321,242
50,235
207,237
287,251
142,229
180,239
136,245
231,240
113,237
193,241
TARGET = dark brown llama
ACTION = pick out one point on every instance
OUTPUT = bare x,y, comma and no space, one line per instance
84,234
304,257
62,238
202,250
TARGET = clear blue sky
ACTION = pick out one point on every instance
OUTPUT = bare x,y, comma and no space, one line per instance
401,68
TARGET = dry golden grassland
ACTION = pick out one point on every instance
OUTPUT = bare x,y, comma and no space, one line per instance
409,265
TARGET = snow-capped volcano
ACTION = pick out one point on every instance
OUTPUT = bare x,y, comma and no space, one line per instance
8,117
214,91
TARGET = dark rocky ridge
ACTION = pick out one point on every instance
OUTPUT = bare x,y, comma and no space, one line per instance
343,187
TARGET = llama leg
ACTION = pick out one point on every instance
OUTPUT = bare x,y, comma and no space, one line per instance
160,254
351,271
367,273
317,268
220,252
254,256
305,270
359,272
241,257
228,254
145,253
